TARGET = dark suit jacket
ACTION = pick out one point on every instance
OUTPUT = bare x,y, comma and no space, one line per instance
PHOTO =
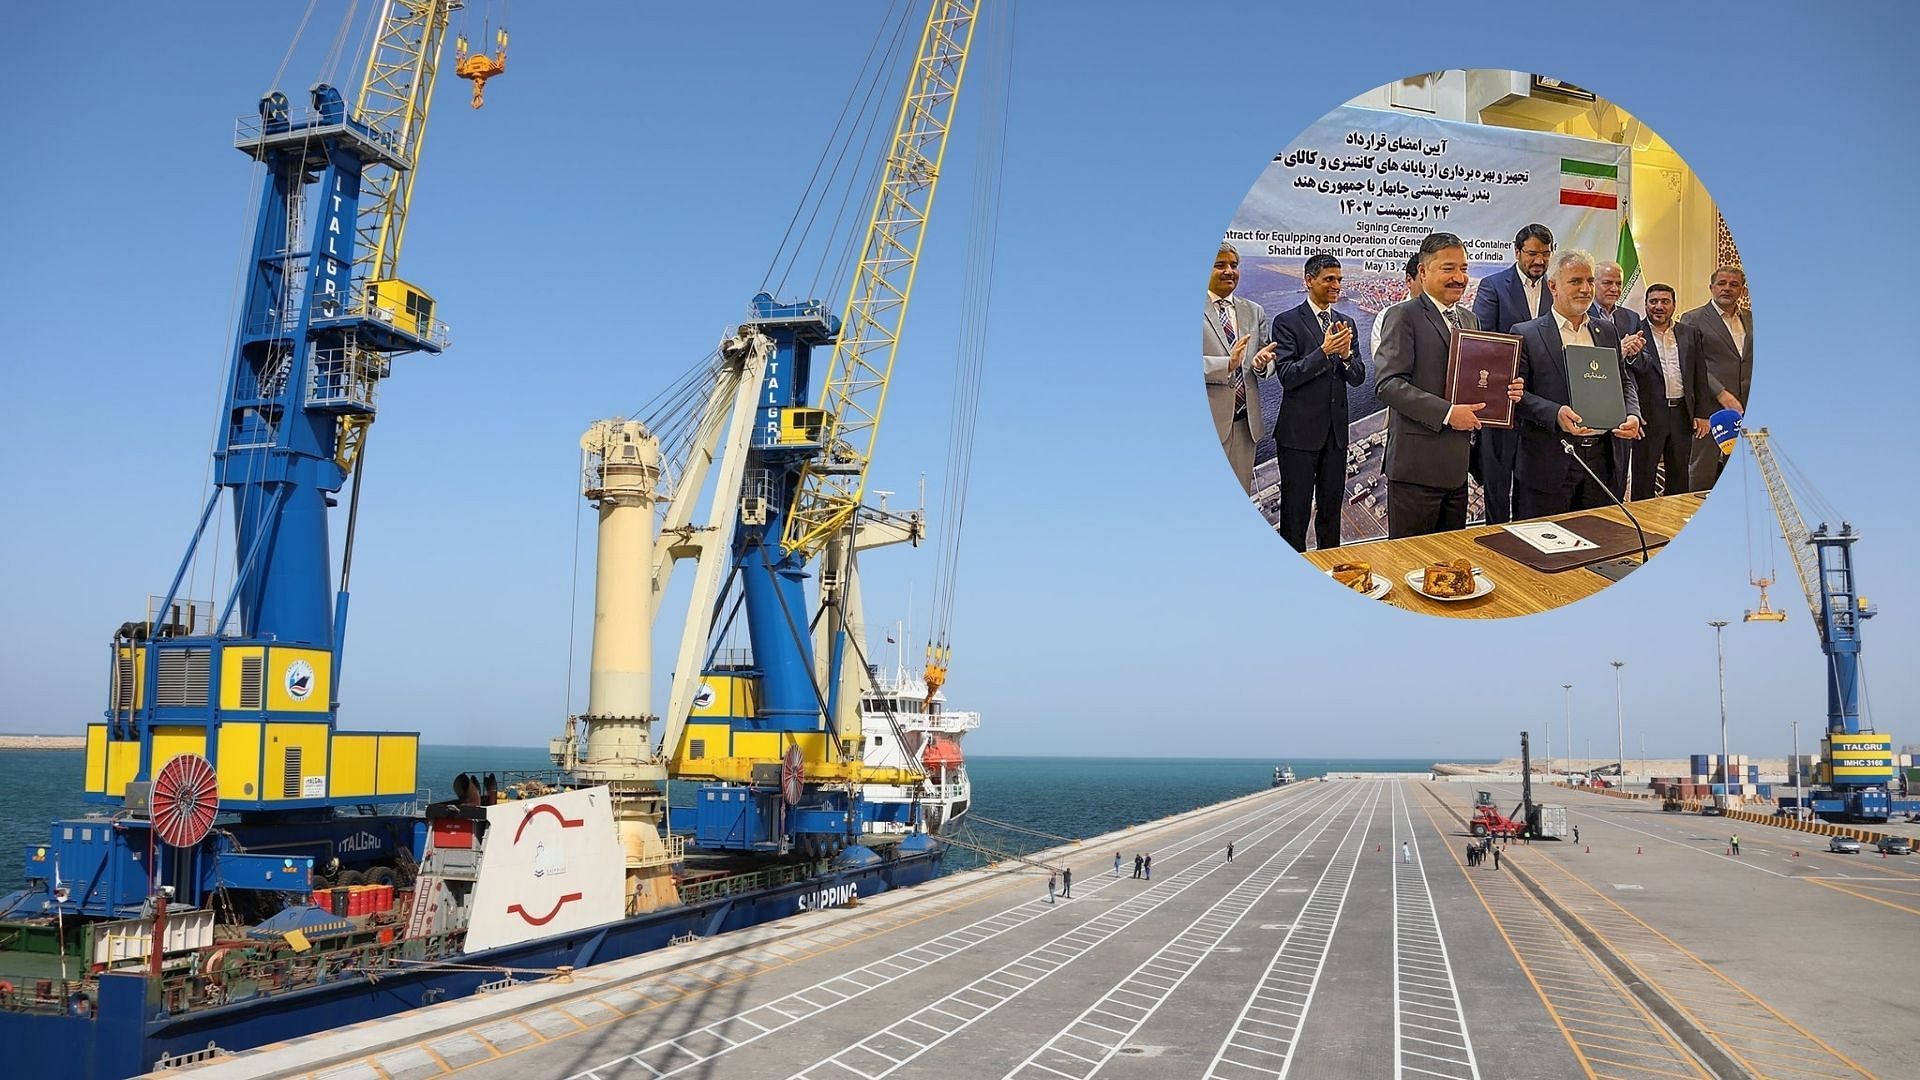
1410,375
1726,368
1501,302
1313,401
1542,464
1645,368
1693,377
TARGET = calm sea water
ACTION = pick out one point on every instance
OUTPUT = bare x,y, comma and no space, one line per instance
1065,797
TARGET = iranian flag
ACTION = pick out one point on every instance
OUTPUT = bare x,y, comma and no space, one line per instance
1587,183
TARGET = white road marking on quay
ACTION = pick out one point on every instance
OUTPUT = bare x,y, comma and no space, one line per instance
1429,1024
958,1010
1109,1023
1268,1027
1594,818
667,1057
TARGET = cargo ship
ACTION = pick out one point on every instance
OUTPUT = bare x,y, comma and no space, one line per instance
253,872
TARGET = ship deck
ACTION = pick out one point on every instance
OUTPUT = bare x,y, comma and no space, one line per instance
1644,951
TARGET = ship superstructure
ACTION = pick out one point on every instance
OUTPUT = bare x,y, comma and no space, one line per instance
906,727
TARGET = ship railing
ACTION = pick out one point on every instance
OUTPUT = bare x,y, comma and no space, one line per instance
694,892
52,997
673,850
953,723
185,618
282,973
191,1057
943,792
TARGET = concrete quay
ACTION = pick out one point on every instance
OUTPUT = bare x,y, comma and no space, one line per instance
1323,949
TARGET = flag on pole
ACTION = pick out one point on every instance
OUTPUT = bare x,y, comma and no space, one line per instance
1629,256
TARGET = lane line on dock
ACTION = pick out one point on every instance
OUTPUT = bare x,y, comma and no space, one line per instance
1161,974
1268,1026
796,1007
1418,943
1825,884
1585,1000
1726,1011
966,1004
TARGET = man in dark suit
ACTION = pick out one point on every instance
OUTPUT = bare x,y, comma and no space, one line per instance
1505,300
1609,283
1546,479
1428,439
1316,363
1681,375
1726,336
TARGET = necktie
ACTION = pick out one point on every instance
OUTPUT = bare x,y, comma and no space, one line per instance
1452,323
1237,378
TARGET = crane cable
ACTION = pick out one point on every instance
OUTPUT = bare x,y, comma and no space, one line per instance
872,76
970,353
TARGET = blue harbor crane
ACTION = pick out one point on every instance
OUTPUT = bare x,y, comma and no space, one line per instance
1856,763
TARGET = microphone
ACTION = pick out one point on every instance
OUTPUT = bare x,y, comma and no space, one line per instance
1725,426
1621,567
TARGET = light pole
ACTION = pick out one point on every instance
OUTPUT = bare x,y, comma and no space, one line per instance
1720,659
1619,720
1568,687
1645,776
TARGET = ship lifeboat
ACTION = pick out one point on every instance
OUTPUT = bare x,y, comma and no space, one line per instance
941,753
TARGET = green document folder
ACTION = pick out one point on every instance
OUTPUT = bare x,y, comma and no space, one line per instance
1593,379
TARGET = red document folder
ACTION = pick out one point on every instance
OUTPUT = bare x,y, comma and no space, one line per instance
1480,364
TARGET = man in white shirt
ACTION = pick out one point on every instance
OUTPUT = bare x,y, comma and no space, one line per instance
1726,339
1681,379
1236,351
1547,479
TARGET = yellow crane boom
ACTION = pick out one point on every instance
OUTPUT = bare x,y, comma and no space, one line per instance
855,395
395,94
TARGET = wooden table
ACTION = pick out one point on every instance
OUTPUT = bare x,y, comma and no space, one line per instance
1518,589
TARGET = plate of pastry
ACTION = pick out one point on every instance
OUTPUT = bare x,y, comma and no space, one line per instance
1450,581
1360,577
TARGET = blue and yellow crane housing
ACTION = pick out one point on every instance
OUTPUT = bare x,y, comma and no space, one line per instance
249,681
767,738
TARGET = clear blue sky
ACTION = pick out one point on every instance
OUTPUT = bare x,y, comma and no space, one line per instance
595,228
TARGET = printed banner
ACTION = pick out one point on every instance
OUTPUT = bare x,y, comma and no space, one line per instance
1366,186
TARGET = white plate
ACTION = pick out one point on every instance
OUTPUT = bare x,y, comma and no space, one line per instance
1482,585
1377,586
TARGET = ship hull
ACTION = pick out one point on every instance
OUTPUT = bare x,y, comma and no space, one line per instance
130,1030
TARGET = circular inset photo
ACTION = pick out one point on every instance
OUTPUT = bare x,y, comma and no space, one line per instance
1476,343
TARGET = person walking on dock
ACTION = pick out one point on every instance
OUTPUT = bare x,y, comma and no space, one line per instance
1137,859
1736,845
1496,858
1149,867
1116,864
1066,883
1576,834
1473,854
1052,883
1229,851
1406,854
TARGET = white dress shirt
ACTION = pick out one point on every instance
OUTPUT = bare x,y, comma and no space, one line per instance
1668,344
1532,290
